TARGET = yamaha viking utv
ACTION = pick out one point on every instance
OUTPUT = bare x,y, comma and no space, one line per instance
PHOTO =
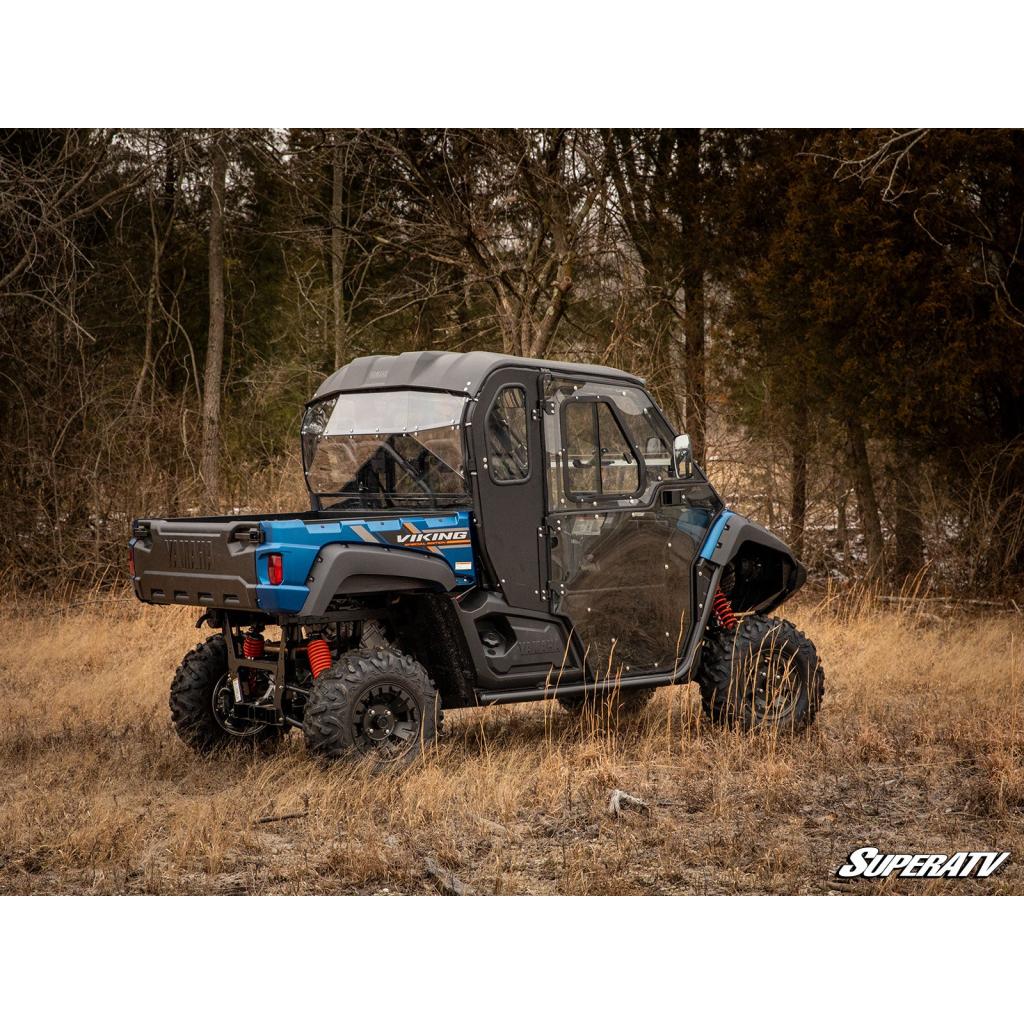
484,530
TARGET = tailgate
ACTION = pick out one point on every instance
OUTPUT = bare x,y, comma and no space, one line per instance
208,562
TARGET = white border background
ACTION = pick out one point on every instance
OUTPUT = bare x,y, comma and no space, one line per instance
470,63
467,62
527,959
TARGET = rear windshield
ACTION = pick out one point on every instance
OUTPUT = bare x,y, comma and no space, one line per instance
385,448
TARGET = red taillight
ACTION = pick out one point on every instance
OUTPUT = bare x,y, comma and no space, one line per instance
131,560
275,569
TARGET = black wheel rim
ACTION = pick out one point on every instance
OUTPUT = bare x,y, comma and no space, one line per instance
223,702
387,720
777,687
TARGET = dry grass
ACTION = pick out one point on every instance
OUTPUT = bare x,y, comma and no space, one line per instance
918,748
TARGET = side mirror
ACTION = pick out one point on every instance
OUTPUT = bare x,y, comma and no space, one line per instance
682,456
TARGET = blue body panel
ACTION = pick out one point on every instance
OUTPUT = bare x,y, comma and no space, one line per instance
299,542
707,552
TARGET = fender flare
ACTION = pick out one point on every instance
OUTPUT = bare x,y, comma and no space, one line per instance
373,569
738,533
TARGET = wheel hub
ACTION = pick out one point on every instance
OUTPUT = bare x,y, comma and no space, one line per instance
380,722
775,691
387,719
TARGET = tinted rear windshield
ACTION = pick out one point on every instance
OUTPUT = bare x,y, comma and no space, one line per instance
385,448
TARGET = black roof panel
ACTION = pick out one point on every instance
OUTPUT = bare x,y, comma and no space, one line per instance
445,371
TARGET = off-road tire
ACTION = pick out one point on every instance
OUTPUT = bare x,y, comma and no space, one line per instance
739,667
337,719
625,703
191,702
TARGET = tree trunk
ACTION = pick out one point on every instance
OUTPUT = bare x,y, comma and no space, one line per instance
147,353
689,201
864,489
666,358
909,555
842,530
798,494
208,465
338,256
693,360
151,301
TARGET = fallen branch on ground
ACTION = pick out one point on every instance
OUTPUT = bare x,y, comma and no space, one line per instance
619,800
448,883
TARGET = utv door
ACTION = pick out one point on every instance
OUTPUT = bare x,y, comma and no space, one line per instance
506,437
624,532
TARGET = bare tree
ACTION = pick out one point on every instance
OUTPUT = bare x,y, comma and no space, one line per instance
161,222
510,210
338,249
864,488
210,451
659,185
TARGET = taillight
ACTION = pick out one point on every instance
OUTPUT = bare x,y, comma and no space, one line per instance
275,569
131,560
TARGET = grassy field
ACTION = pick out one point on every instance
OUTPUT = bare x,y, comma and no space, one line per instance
918,748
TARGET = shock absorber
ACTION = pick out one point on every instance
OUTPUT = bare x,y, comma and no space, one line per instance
319,655
252,645
722,608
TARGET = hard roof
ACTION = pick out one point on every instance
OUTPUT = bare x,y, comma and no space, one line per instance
444,371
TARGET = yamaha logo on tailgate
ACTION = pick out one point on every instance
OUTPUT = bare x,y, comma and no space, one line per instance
195,555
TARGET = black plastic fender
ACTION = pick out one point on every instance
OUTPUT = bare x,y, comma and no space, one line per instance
741,541
370,569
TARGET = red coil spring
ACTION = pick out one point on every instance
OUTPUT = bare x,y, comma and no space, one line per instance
252,646
319,655
724,615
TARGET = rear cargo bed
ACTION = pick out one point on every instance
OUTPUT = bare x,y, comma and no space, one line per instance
209,561
205,560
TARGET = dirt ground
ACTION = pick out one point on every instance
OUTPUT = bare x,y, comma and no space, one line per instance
917,749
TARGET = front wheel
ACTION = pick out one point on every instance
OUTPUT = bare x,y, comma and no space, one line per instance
380,706
764,674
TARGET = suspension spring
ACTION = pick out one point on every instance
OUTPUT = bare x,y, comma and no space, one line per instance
722,608
319,655
252,646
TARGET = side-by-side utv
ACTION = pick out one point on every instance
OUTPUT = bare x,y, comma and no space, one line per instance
484,530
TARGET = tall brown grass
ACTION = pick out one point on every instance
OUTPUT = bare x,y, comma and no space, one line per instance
918,748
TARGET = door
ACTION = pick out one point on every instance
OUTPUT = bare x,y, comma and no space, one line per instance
624,530
506,437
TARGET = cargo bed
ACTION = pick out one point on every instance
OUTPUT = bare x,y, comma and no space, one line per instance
211,561
204,561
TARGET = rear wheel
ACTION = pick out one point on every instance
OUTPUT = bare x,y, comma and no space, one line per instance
381,706
764,674
203,703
